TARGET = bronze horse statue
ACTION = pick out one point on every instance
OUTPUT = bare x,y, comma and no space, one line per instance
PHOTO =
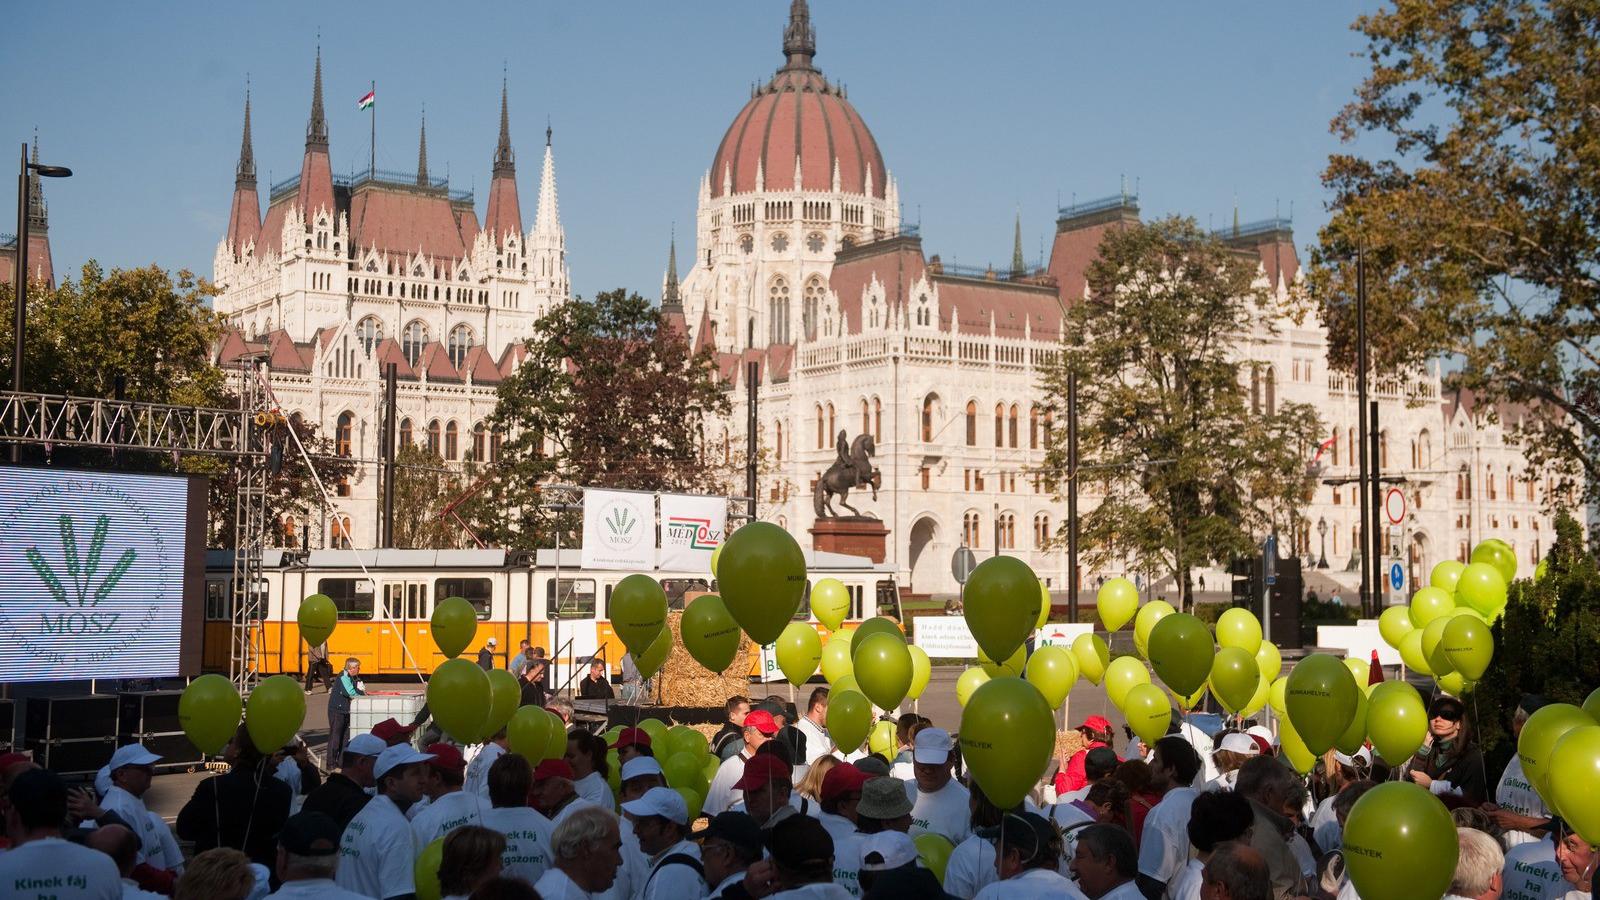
853,468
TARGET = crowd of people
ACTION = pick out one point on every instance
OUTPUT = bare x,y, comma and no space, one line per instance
787,815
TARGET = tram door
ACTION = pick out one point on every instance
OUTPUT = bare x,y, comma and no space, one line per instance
570,606
406,603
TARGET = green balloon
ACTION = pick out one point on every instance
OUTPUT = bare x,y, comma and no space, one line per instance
883,668
1575,780
208,713
459,698
969,682
1547,726
505,695
528,733
934,850
1397,721
1145,622
454,624
836,662
710,635
849,719
1052,670
1355,735
1393,624
1008,733
1117,601
1432,646
1591,704
1123,673
1498,554
1451,683
1428,604
656,728
425,872
1400,843
1148,711
1258,700
557,737
274,713
651,661
1001,604
1445,575
1294,749
317,617
716,556
692,799
1093,656
1234,678
1469,646
799,651
1277,697
847,683
683,739
682,770
1010,668
1238,627
921,671
830,602
1411,652
1181,651
1321,699
882,739
1483,588
1270,661
762,576
872,626
639,612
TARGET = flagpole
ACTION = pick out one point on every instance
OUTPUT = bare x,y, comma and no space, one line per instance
372,158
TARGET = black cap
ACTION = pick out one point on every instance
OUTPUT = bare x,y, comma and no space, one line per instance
773,707
737,828
800,842
1532,703
310,834
1102,758
1028,833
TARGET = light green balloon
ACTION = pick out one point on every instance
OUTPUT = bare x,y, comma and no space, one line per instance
1116,602
1451,683
1238,627
1052,670
1123,673
1270,661
1538,740
275,711
639,612
836,657
1397,721
208,713
921,671
682,770
1092,655
1355,735
459,698
505,694
1277,695
425,871
654,658
847,683
1575,780
883,669
711,635
1469,645
1428,604
1400,843
1181,652
1393,624
1001,604
1258,700
1234,678
762,577
1145,622
1411,652
1148,711
1482,587
799,652
683,739
528,733
317,617
830,602
1293,747
1445,575
969,682
557,735
693,800
872,626
454,624
1008,733
882,739
1498,554
849,718
1321,698
934,849
1432,646
1010,668
1591,704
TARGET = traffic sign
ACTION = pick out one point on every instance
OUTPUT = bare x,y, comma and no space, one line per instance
1397,576
962,562
1394,505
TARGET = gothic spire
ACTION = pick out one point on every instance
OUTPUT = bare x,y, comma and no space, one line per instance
670,300
547,218
1018,267
244,175
317,128
799,38
38,212
504,159
422,154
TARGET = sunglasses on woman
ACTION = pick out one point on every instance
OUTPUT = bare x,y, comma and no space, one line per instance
1447,713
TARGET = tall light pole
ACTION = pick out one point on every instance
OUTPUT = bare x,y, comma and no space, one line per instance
1322,532
19,295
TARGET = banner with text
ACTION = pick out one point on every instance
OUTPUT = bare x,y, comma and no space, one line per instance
619,530
691,527
945,637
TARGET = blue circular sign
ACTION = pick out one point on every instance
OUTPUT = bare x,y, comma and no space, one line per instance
1397,576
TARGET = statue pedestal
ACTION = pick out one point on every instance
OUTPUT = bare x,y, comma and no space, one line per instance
855,535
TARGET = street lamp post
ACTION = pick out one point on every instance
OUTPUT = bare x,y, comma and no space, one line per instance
19,296
1322,532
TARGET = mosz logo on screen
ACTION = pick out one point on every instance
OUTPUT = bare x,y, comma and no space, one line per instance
77,588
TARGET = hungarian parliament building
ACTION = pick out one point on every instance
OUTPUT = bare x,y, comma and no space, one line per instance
802,272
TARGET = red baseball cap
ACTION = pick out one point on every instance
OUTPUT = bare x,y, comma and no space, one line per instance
1096,723
842,779
446,756
764,768
762,721
554,768
629,736
390,730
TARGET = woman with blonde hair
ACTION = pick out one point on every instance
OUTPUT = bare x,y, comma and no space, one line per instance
810,787
1232,751
471,857
221,873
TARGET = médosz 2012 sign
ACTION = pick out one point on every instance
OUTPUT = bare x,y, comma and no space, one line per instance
95,567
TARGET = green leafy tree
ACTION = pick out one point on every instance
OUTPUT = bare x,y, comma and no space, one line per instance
1187,472
423,486
1474,198
608,397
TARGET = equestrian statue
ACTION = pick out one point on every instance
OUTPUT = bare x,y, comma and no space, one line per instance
853,468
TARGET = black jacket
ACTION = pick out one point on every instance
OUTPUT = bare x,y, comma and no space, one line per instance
728,741
591,689
339,798
236,810
485,659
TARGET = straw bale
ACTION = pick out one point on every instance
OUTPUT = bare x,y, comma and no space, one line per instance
684,682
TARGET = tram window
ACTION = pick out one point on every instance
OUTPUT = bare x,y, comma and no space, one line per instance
577,599
855,601
476,591
406,600
676,588
889,599
803,614
217,606
352,597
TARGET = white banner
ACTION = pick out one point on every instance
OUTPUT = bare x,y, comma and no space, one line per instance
619,530
691,527
1061,634
945,636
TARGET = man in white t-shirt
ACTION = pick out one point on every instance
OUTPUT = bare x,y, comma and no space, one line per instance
527,833
661,822
131,769
478,768
1517,808
814,725
40,863
584,848
377,856
759,727
1105,863
1532,872
449,806
1027,868
1164,846
308,856
939,803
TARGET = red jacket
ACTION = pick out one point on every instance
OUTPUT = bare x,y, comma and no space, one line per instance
1074,778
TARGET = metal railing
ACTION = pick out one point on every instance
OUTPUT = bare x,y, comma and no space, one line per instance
97,422
1253,229
1115,201
289,185
1031,272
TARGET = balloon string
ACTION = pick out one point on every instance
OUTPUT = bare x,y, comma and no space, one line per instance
1483,765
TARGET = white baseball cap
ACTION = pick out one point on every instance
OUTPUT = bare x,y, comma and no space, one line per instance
491,641
131,755
638,767
1263,732
1364,754
1236,742
367,744
931,745
892,850
398,755
659,801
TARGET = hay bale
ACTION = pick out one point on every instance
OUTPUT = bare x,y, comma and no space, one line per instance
684,682
1068,743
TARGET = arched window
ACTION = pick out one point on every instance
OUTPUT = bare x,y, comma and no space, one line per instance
928,403
1272,391
1425,449
877,419
369,332
866,417
460,342
822,432
339,533
342,433
832,429
433,437
1255,390
1033,427
1011,425
1337,433
1041,531
777,440
1008,531
999,424
406,436
452,438
412,340
778,311
478,435
811,309
1383,449
972,423
971,530
1489,483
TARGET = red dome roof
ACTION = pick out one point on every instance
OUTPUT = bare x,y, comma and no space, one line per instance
798,113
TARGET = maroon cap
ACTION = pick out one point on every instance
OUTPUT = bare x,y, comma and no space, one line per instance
764,768
445,756
762,721
554,768
390,730
842,779
628,736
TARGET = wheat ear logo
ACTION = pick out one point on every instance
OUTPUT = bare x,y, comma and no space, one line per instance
621,522
80,588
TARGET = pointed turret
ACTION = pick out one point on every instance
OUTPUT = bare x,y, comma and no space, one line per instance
799,38
41,268
422,154
38,212
244,214
547,245
671,300
316,173
504,216
547,218
1018,267
317,127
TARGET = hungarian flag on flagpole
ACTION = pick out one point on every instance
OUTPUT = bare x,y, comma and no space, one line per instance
367,99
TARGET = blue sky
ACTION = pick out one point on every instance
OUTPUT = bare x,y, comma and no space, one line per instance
982,111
